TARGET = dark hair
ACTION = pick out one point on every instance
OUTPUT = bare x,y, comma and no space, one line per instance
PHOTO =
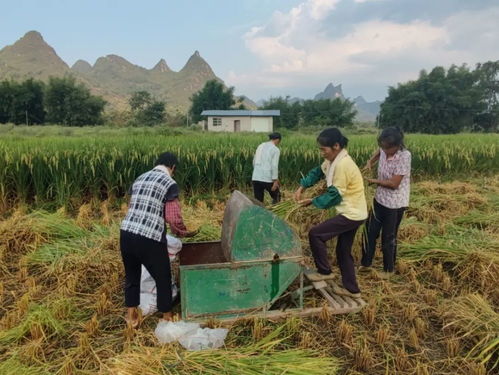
167,159
330,137
276,135
391,137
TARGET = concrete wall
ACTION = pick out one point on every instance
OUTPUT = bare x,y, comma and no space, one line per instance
247,124
261,124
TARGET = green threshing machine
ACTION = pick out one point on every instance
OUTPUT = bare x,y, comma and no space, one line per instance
258,258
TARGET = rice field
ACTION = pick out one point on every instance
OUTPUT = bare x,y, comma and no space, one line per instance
61,277
73,169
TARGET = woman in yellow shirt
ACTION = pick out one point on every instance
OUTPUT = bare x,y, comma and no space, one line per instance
345,191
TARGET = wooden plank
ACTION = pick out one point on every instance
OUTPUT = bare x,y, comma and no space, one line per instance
319,284
279,315
329,299
351,302
341,300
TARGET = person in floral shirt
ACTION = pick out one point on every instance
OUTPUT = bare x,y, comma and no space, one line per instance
390,201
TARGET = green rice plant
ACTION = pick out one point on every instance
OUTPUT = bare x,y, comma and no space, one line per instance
43,321
206,232
60,170
453,246
13,366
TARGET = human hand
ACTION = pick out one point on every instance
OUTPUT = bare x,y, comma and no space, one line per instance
192,233
275,185
305,202
297,195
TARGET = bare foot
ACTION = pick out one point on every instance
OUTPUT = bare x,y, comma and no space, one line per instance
132,317
168,316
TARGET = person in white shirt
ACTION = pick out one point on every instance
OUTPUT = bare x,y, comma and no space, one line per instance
265,169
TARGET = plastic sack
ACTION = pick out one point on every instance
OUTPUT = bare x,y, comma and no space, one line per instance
167,332
148,293
204,338
190,335
174,245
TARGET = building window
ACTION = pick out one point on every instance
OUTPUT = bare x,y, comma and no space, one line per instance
217,121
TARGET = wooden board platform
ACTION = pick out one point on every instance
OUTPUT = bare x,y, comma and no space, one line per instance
339,304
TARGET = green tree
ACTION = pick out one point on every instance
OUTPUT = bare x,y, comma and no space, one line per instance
70,103
146,110
439,102
212,96
487,76
290,113
324,112
7,95
140,100
22,103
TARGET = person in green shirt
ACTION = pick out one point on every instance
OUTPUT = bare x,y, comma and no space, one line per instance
345,192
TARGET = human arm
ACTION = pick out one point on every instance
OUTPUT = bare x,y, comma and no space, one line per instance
392,183
309,180
372,160
275,170
402,168
333,194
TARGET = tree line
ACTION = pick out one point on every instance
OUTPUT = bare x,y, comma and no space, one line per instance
323,112
445,101
442,101
60,101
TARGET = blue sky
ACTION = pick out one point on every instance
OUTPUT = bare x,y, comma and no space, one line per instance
270,47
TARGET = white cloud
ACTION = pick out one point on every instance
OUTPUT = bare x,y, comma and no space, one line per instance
295,49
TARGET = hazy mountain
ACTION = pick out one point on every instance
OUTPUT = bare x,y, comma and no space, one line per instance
330,92
367,111
112,76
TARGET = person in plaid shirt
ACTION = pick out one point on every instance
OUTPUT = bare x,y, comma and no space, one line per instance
154,201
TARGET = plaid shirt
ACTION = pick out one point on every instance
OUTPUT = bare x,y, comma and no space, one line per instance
173,216
145,215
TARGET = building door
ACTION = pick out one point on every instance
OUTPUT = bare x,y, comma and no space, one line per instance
237,125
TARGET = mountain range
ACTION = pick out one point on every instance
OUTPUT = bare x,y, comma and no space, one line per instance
112,76
115,79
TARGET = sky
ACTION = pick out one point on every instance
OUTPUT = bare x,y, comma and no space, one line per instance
270,48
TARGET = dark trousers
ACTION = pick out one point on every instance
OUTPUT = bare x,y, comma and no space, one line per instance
345,229
259,188
387,221
137,251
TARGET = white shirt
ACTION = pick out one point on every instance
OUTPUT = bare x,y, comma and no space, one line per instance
266,162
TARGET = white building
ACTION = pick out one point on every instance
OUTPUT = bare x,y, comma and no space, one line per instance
240,120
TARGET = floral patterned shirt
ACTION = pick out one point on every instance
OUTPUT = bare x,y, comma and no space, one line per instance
399,164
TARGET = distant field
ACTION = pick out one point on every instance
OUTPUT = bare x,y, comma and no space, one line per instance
84,163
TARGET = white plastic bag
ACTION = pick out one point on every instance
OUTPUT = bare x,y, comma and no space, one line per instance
190,335
167,332
174,246
204,338
148,293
